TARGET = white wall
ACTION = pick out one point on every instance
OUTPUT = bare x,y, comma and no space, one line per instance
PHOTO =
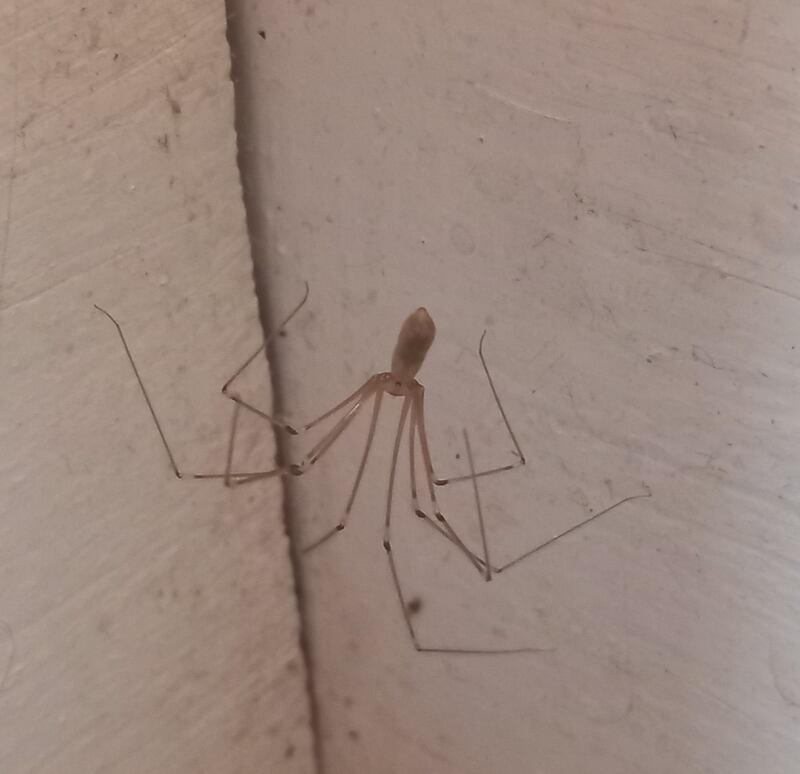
611,190
147,624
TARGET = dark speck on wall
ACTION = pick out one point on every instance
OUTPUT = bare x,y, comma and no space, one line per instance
262,34
174,105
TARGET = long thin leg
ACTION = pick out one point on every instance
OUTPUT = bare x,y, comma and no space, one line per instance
486,564
387,525
517,448
231,442
354,491
151,408
573,528
239,404
275,421
387,544
291,429
412,466
393,472
471,557
547,543
319,449
418,417
173,464
225,387
242,478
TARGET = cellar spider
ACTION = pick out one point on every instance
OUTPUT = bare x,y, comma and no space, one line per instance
413,342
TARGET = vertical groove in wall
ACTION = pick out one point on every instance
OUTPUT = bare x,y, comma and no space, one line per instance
254,198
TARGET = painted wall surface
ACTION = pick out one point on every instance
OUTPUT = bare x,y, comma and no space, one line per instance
611,191
147,624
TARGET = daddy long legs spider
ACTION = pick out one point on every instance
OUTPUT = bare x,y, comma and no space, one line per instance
414,340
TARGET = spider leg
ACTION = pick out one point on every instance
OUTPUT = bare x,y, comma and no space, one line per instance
517,448
387,545
319,449
376,407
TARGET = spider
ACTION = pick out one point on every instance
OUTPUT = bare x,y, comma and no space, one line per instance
414,340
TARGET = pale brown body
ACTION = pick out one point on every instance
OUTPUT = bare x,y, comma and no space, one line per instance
413,342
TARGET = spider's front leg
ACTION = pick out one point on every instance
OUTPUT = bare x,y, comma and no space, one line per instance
517,449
